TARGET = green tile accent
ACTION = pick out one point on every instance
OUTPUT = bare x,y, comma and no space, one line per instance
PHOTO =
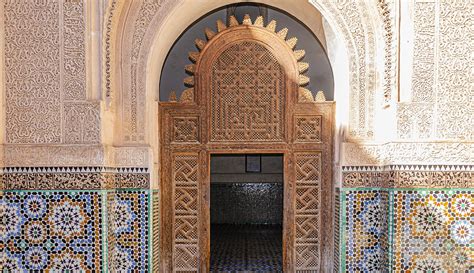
342,234
150,228
390,217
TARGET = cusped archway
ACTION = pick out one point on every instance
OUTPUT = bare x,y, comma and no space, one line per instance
139,34
246,95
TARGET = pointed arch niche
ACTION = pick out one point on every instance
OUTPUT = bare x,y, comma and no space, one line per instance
246,95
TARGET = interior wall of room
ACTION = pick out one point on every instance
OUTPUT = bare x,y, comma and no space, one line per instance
247,203
242,197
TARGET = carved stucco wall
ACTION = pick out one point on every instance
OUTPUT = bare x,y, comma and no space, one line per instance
442,100
45,75
434,118
351,19
48,95
53,110
52,103
367,32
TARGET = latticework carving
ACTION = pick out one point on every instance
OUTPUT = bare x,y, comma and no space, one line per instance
308,128
186,258
243,98
185,180
247,95
304,95
185,129
308,183
307,258
186,200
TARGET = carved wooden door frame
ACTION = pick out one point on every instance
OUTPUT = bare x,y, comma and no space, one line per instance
203,123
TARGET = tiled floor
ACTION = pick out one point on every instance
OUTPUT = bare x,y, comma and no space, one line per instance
246,248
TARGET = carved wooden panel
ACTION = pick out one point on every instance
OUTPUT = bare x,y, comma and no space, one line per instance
247,95
308,128
185,129
186,209
307,206
242,97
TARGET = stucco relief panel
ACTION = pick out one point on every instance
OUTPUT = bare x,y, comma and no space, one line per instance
134,100
32,62
354,22
415,120
424,52
455,94
54,155
80,122
415,117
74,50
357,154
442,72
352,18
45,54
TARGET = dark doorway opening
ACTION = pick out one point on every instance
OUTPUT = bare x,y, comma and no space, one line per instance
246,212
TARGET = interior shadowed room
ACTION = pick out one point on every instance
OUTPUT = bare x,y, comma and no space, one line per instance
246,212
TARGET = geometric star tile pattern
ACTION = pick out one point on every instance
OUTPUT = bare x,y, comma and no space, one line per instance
434,231
381,230
60,231
51,231
366,231
412,230
128,231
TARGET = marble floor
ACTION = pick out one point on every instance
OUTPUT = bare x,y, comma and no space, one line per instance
246,248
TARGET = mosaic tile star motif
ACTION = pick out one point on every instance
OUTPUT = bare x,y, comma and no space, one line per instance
366,231
51,231
128,231
434,231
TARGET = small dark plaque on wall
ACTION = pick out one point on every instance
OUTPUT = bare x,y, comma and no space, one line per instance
253,163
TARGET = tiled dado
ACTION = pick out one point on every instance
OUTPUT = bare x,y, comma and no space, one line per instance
82,230
405,230
363,231
73,178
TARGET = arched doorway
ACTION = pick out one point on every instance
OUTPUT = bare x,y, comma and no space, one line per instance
245,96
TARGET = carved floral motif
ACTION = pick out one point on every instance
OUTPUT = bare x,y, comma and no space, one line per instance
82,122
45,67
442,73
409,178
65,178
32,76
